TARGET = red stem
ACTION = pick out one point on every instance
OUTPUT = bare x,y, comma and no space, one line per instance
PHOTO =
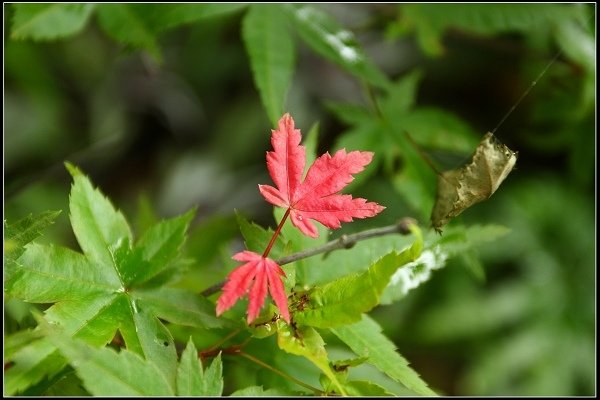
277,231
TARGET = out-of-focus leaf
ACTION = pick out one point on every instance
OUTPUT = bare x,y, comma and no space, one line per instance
325,36
67,384
577,43
431,21
165,16
366,340
145,215
366,389
30,364
128,24
206,239
49,21
18,340
435,128
258,391
192,380
271,52
389,136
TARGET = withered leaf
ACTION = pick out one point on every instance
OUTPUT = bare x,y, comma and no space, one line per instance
458,189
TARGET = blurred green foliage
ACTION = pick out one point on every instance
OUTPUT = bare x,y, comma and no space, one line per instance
172,103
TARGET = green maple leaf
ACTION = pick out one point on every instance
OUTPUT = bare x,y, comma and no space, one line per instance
22,232
115,285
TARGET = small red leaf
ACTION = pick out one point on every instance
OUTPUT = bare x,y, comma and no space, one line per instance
317,197
258,275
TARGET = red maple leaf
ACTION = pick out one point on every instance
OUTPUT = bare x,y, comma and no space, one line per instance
317,197
265,273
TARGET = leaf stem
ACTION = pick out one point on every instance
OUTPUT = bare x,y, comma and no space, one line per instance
343,242
277,231
281,373
221,341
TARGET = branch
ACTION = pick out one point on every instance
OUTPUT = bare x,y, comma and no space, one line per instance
343,242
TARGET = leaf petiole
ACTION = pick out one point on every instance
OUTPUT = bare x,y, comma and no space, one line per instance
281,373
276,233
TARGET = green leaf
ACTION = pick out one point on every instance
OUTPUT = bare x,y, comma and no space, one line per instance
18,340
96,224
145,215
439,129
90,301
18,234
128,24
157,344
49,21
192,380
402,94
366,340
155,250
94,317
67,384
366,389
351,114
105,372
306,342
457,239
271,52
258,391
432,20
344,300
207,239
30,364
387,135
47,274
179,307
577,44
160,17
25,230
356,388
257,238
328,38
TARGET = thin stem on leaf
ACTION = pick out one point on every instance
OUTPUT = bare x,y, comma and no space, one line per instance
281,373
221,341
277,231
